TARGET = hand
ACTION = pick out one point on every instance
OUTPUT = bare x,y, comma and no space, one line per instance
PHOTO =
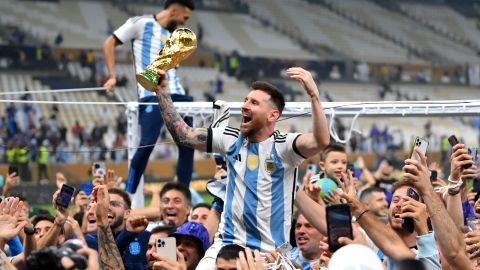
469,173
437,184
11,181
246,262
136,224
103,203
72,227
162,82
358,238
417,173
61,213
333,197
9,212
472,240
110,84
98,179
92,256
349,193
312,190
163,263
418,212
23,216
60,180
305,79
459,159
151,189
110,180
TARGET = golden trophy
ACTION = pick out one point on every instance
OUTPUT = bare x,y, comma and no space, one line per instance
181,44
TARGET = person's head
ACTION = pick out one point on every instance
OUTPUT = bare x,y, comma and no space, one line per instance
179,11
227,257
399,192
333,160
375,200
386,168
175,203
192,241
260,110
91,217
119,209
307,238
200,213
81,200
155,233
42,224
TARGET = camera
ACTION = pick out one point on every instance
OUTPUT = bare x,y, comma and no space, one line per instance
50,257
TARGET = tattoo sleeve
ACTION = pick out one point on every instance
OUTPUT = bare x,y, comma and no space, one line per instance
180,131
109,257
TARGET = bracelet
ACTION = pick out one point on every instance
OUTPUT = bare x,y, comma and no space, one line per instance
361,214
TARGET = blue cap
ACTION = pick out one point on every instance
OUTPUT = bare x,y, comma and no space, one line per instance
196,230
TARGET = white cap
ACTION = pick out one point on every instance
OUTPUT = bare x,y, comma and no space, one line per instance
355,257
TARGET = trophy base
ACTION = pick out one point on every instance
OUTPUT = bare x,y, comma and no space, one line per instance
148,79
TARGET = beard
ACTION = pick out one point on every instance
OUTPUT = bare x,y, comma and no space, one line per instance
172,25
116,223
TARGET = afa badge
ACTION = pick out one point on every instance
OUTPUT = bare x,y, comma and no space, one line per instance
270,165
252,162
134,248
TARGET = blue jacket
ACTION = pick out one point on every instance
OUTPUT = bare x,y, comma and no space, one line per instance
133,247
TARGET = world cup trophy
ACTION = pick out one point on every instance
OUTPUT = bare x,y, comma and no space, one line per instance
181,44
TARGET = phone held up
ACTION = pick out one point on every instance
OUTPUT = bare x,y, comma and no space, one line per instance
408,223
12,169
339,224
65,196
422,145
167,247
453,141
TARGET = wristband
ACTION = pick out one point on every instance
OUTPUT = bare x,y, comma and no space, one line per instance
361,214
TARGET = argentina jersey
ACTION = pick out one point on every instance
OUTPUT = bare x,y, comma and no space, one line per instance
297,257
260,189
147,37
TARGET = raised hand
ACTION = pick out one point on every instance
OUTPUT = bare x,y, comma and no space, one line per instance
136,224
11,181
416,210
9,213
305,79
110,84
60,179
110,180
418,173
103,202
312,190
164,263
246,261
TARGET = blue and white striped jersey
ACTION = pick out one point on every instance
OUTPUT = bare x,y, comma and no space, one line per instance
260,190
296,256
147,37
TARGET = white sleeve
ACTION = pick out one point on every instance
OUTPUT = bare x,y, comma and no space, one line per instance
220,139
288,150
128,31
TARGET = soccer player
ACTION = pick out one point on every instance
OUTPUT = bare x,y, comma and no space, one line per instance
262,163
148,35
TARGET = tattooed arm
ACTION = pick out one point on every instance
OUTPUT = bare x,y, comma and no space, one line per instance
182,134
109,256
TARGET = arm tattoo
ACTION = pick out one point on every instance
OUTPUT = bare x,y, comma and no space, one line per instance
109,257
180,131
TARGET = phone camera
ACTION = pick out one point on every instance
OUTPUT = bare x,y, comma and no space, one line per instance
161,243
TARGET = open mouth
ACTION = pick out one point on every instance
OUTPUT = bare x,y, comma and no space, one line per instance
302,240
246,119
110,217
171,213
397,218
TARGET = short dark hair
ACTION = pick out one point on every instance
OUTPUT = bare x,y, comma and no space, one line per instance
41,217
179,187
169,229
205,205
185,3
123,194
230,252
365,195
275,95
334,147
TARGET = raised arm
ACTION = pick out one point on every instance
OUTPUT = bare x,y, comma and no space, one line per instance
109,54
310,144
182,134
450,240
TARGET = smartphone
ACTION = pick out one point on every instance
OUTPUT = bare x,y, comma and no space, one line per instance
312,168
472,151
422,145
12,169
433,176
99,168
220,162
453,140
65,196
339,224
167,247
408,223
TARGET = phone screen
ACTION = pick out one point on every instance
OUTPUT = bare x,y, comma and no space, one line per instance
452,140
167,247
12,169
65,196
433,176
408,223
339,224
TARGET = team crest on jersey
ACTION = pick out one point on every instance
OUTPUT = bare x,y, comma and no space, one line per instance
270,165
252,162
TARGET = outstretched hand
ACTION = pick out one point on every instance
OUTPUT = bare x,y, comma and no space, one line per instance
312,190
418,173
305,79
9,213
